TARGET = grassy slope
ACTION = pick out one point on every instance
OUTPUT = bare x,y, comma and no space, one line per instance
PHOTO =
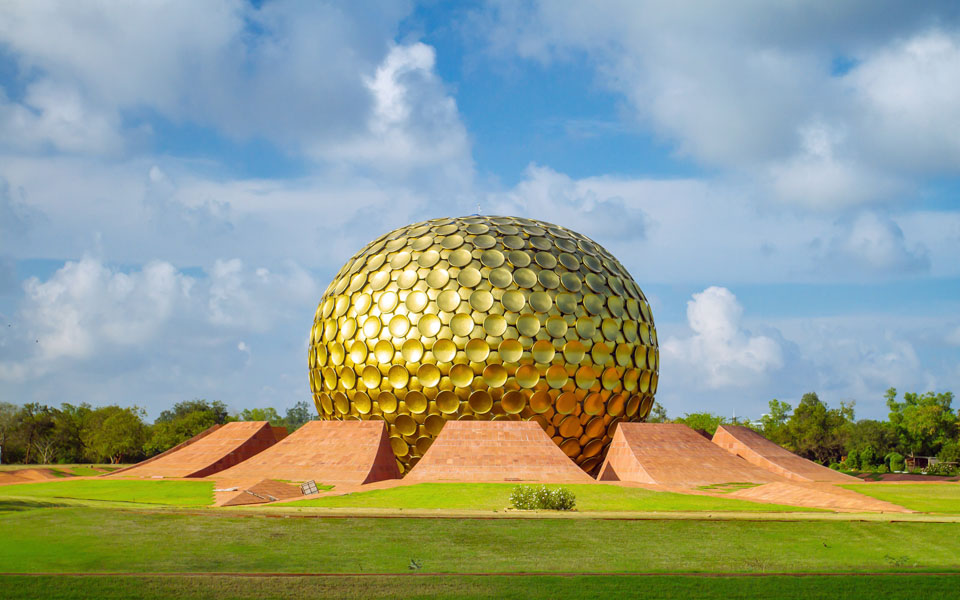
496,496
173,493
149,588
85,539
924,497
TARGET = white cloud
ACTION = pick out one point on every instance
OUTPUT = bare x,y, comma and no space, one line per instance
86,305
320,79
910,96
875,243
745,88
720,353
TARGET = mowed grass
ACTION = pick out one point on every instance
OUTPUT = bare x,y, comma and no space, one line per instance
146,491
923,497
496,496
243,588
89,540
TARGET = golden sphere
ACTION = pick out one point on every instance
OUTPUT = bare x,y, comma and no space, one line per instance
485,318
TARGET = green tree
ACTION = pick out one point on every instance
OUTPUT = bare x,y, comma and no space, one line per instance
262,414
773,425
69,424
33,427
120,434
218,411
818,432
923,423
167,434
702,421
8,425
658,414
297,416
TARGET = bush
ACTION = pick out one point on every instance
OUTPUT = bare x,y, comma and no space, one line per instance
941,469
852,461
528,497
896,462
867,458
838,466
882,469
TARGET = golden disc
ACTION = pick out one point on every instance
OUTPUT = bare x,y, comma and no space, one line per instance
438,278
480,402
429,325
494,325
556,327
518,258
459,258
593,404
586,377
362,403
528,325
541,402
510,350
428,375
513,300
492,258
469,277
433,424
500,278
371,377
412,351
513,402
416,403
399,326
398,377
416,301
528,376
574,351
444,350
481,300
447,402
477,350
557,376
405,425
461,376
494,375
448,300
525,278
566,403
462,324
542,351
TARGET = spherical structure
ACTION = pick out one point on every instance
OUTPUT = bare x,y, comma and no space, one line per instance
485,318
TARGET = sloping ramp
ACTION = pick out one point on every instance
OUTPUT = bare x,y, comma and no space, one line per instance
210,452
675,455
474,451
353,452
758,450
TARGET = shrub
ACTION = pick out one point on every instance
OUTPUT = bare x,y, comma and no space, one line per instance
838,466
896,462
882,469
527,497
867,458
853,461
941,469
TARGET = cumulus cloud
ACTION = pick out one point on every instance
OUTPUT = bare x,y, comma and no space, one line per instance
87,311
874,243
550,196
321,79
721,353
753,89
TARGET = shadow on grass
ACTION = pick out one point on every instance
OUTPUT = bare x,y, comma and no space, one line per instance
17,505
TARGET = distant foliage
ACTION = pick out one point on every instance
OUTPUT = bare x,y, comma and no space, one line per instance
896,461
528,497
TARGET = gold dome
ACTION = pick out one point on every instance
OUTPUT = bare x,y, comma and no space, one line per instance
485,318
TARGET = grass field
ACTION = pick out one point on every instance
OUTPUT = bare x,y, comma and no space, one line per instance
928,587
38,540
496,496
171,493
924,497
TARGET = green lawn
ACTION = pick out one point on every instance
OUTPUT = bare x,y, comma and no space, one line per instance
923,497
43,540
929,587
496,496
145,491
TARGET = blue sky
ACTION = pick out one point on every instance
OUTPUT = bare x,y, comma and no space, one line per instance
179,181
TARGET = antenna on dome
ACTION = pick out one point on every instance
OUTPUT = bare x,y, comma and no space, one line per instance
477,214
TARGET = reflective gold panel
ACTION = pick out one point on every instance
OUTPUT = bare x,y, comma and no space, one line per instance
485,318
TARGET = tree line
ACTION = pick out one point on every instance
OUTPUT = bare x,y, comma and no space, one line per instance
39,434
917,425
